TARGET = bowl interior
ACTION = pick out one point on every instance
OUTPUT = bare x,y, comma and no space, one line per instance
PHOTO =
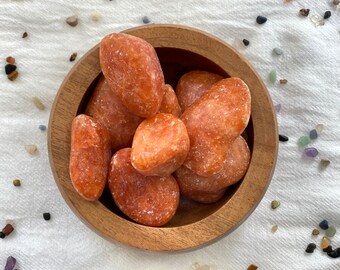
176,62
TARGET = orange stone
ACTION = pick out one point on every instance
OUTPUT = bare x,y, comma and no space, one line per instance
160,145
192,85
234,168
213,122
90,156
106,107
148,200
170,102
132,69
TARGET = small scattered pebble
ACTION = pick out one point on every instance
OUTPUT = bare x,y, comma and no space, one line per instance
245,42
317,20
278,107
197,266
283,138
327,249
310,248
16,182
323,224
10,263
315,232
38,103
274,228
324,163
335,253
261,19
252,267
47,216
331,231
304,140
273,76
304,12
25,35
32,149
336,2
325,242
278,51
2,235
275,204
319,128
311,152
13,75
9,68
313,134
8,229
72,20
146,20
283,81
73,56
10,60
96,16
42,127
327,14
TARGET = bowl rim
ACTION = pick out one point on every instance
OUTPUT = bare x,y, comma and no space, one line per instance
207,230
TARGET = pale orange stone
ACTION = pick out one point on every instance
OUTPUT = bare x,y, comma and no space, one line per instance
160,145
234,168
192,85
213,122
204,197
170,102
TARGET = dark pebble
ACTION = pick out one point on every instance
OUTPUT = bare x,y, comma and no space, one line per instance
9,68
16,182
73,56
24,35
328,249
310,248
335,253
313,134
327,14
42,127
2,235
146,19
304,12
261,19
47,216
324,224
283,138
245,42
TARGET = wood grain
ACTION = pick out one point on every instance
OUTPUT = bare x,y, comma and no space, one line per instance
180,49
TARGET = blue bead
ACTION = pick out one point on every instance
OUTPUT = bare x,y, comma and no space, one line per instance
42,127
313,134
324,224
146,19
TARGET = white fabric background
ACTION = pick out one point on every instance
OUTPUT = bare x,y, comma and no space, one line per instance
311,64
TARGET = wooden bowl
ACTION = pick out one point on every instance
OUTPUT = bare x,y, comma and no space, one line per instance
179,49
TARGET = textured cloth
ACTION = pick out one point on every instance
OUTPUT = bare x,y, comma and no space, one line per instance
310,62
